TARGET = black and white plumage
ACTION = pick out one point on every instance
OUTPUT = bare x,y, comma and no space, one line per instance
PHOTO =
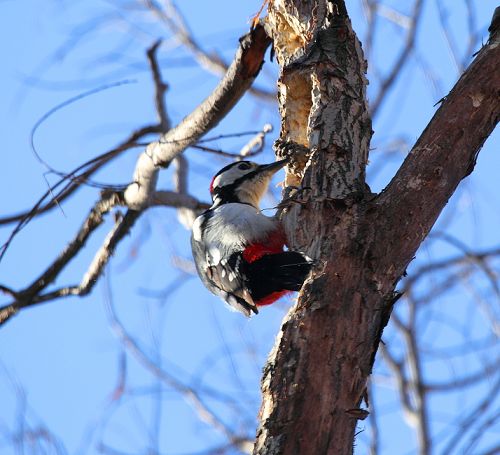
238,251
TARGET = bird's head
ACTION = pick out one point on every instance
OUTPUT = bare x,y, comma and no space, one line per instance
243,181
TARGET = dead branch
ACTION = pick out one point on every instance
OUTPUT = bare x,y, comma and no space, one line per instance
175,22
141,194
237,80
78,179
160,88
31,295
189,394
444,154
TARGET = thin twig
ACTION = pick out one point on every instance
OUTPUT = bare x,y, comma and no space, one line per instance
31,295
239,77
189,394
173,19
413,360
77,179
252,148
160,88
466,422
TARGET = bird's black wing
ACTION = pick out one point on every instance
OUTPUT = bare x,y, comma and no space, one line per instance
223,277
229,280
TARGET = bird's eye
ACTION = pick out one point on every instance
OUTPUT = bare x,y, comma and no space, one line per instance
244,166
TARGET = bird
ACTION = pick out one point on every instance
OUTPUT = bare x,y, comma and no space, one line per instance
239,253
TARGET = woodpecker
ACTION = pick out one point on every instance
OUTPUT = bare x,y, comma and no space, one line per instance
239,252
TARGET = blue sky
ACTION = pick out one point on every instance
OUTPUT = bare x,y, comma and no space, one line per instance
62,360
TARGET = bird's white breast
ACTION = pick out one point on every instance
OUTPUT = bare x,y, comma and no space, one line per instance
234,225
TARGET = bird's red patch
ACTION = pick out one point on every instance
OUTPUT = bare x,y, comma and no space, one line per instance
271,298
257,250
274,244
212,185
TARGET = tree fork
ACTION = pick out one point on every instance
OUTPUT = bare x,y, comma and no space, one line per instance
315,377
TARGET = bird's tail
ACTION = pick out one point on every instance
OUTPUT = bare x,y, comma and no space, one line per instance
272,273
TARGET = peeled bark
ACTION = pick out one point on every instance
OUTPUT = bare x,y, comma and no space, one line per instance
315,378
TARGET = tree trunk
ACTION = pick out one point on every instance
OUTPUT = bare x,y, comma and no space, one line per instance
315,378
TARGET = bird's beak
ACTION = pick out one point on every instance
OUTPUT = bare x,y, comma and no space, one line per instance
270,169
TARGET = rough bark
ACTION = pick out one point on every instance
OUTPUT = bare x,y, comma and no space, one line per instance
315,378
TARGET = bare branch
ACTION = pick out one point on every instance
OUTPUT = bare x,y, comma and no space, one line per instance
468,419
237,80
177,200
452,48
483,374
241,74
414,364
474,258
31,295
256,144
460,62
173,19
397,369
252,148
185,215
369,9
77,179
444,154
479,256
191,395
375,432
160,88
